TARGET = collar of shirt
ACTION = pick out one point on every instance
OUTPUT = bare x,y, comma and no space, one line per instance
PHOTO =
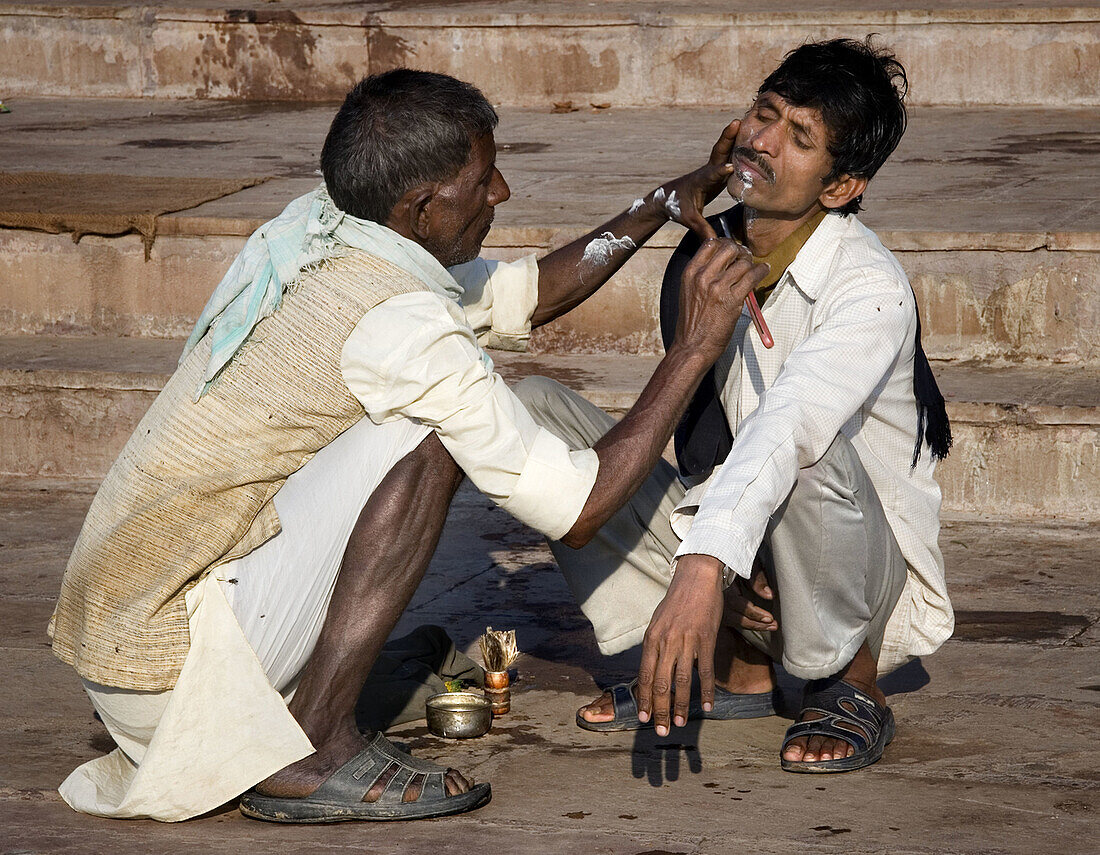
781,257
810,269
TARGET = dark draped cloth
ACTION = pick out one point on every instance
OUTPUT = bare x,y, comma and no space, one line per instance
703,438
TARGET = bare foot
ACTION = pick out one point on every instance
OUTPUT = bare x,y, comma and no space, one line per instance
302,778
861,673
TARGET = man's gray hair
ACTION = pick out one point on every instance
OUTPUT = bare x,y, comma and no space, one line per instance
396,130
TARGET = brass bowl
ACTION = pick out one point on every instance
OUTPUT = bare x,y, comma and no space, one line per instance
458,715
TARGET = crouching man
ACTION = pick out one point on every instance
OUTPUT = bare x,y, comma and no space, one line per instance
267,523
807,532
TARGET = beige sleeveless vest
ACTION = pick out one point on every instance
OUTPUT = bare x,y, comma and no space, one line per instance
193,486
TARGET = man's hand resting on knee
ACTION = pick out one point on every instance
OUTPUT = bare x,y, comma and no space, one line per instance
744,599
682,632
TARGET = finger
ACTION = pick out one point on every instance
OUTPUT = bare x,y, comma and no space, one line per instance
754,613
760,587
743,622
747,611
724,255
730,265
747,281
705,666
662,691
720,154
683,671
702,257
644,691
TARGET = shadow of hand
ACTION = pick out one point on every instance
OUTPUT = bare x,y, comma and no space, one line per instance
659,758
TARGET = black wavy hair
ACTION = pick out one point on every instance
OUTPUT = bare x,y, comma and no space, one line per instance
859,89
396,130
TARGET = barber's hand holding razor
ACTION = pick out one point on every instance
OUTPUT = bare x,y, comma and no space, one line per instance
715,284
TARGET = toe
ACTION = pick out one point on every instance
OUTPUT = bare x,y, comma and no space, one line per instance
795,749
379,786
813,748
414,788
601,709
456,783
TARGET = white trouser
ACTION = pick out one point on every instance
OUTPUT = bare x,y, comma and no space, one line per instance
828,551
279,594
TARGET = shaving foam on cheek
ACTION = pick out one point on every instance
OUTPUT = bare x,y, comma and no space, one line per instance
600,250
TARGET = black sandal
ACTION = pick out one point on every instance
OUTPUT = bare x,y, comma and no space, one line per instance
847,714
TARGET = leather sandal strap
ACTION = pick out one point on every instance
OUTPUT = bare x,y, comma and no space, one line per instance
395,789
838,702
352,781
435,787
623,700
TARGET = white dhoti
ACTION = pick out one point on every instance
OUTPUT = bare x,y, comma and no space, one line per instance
253,623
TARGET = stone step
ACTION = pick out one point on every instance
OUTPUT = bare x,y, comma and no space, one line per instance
989,210
1027,439
536,52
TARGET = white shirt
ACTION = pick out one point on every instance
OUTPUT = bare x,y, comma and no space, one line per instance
844,320
419,356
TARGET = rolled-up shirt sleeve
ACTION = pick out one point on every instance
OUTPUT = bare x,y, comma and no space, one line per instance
499,298
408,358
823,384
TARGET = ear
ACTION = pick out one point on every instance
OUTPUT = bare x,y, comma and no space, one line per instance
843,190
411,216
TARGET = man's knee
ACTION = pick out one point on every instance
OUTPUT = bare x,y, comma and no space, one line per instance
539,394
563,412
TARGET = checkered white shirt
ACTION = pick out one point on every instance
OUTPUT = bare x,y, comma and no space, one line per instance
844,320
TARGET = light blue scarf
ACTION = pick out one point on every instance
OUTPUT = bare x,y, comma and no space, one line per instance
310,230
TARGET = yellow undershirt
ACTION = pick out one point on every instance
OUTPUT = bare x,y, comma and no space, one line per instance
781,257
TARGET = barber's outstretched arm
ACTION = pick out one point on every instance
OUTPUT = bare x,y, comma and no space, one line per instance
715,284
568,276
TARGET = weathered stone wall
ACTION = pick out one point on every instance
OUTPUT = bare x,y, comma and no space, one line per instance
1042,57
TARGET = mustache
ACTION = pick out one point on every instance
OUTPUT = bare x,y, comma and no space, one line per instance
756,159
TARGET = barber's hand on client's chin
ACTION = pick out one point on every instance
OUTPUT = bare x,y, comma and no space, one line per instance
713,289
682,632
696,189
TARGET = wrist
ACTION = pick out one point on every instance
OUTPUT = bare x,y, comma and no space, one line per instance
697,569
652,208
696,356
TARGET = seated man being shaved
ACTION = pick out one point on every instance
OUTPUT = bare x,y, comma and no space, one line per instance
805,530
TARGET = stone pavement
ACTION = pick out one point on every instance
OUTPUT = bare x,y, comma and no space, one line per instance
995,750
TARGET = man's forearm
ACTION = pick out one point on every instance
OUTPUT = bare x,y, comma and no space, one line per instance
715,283
629,451
570,275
